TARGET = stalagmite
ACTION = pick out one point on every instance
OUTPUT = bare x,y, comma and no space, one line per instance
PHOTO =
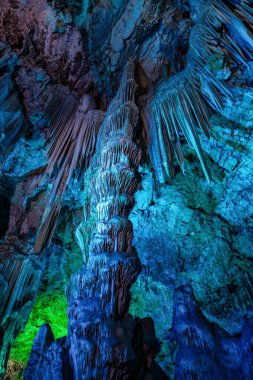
205,350
102,341
102,103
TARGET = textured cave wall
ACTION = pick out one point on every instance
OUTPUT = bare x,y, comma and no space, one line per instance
192,232
30,78
44,55
185,231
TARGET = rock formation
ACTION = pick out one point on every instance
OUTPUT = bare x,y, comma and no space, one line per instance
104,107
205,350
104,341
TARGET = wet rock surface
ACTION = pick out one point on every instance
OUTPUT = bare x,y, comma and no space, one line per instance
192,232
65,212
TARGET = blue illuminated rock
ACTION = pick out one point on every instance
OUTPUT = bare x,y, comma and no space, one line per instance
204,349
69,215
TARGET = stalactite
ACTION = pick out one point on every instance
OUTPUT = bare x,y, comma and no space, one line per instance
73,130
19,281
13,123
180,104
104,341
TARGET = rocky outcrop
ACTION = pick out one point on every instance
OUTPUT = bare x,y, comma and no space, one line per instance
13,123
139,29
47,38
20,279
43,340
205,351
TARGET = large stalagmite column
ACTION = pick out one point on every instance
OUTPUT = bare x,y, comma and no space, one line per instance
104,341
100,330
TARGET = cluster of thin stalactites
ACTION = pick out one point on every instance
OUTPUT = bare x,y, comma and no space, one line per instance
180,106
179,110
